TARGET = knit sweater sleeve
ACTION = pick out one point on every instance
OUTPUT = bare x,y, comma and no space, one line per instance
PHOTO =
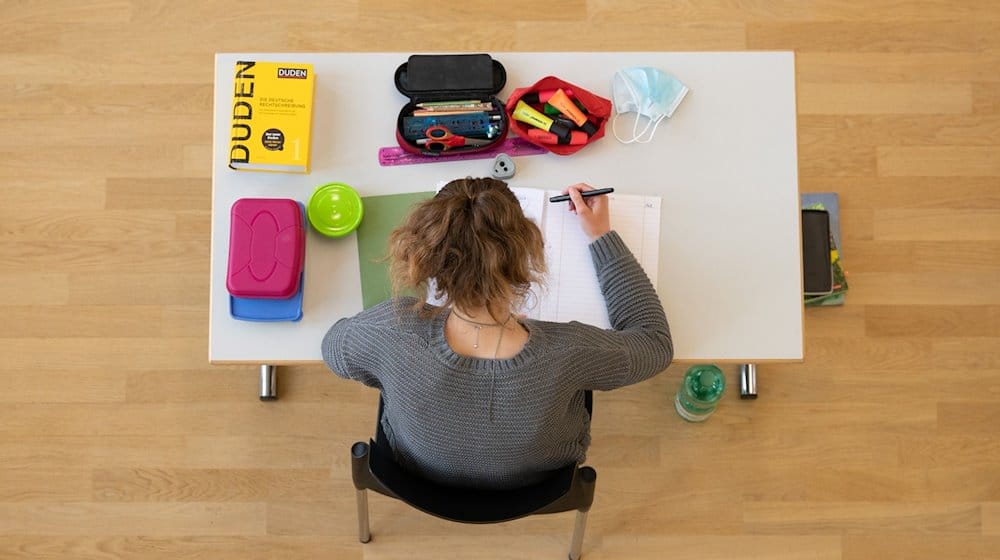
640,332
346,347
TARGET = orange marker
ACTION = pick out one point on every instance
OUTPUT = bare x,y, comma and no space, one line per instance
561,101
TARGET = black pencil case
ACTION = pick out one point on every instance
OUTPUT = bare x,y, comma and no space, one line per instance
438,118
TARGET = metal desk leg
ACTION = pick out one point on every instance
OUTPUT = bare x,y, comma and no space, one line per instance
748,381
268,382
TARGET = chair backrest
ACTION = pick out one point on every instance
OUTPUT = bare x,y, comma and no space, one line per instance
565,489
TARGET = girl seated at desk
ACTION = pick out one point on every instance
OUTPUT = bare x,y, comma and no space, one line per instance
473,394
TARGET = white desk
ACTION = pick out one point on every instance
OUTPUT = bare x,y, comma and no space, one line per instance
725,165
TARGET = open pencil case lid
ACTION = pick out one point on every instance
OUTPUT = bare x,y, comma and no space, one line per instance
439,77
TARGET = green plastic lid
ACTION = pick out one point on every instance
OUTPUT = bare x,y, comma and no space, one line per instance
335,209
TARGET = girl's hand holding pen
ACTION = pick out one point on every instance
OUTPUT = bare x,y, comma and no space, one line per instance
595,218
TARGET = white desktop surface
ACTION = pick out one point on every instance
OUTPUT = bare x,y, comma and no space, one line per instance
725,166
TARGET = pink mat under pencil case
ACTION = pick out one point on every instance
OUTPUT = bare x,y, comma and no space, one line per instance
266,248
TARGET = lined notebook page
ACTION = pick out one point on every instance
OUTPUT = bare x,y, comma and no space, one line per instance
533,204
573,293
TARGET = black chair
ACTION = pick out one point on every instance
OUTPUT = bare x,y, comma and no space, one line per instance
565,489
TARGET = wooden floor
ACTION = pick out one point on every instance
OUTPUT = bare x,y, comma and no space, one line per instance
118,440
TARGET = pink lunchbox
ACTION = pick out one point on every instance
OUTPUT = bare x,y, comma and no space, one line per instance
266,248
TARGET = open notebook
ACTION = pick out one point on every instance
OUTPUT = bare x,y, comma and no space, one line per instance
571,291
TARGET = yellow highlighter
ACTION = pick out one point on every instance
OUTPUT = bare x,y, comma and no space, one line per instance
526,114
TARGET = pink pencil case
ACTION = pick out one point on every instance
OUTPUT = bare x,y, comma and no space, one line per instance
266,248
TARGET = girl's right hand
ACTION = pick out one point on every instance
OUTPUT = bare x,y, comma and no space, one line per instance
594,213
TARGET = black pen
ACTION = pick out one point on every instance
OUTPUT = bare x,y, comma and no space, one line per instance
595,192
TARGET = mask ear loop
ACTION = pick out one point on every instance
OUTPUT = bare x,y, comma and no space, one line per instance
635,129
635,126
615,132
651,132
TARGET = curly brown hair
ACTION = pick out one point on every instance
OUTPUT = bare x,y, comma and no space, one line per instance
474,241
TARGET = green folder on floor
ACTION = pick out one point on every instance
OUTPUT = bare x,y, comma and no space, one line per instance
382,215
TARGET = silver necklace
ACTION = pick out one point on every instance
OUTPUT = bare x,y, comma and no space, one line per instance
479,326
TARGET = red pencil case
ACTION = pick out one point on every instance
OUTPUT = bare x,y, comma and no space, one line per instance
597,110
266,248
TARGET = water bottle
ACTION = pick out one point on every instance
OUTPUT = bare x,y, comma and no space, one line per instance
699,393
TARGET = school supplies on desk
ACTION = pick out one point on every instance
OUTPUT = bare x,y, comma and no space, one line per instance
559,116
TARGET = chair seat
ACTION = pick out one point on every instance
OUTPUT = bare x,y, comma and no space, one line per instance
373,467
468,505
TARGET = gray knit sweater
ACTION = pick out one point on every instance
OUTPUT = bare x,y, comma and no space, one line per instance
466,421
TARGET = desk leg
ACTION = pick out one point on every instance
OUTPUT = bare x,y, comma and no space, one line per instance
748,381
268,382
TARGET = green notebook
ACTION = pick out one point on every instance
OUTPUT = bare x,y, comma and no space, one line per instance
382,215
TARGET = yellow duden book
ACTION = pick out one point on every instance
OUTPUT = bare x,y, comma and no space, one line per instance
272,116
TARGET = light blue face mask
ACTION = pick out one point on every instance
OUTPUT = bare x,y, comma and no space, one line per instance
650,93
